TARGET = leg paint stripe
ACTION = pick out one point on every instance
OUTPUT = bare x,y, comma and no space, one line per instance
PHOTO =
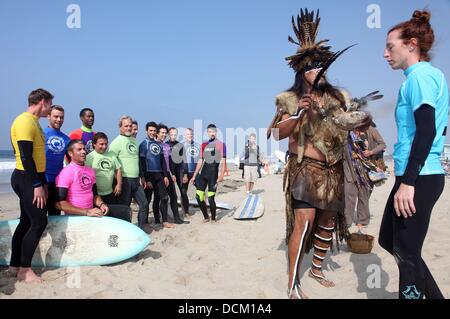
211,194
326,228
319,257
317,266
294,276
324,239
320,248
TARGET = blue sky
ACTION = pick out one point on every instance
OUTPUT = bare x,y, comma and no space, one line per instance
221,61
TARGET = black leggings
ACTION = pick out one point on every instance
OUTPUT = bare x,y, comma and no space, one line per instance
172,192
32,223
120,211
161,198
183,187
51,201
403,238
202,181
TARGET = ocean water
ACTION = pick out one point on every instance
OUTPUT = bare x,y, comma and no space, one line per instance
7,165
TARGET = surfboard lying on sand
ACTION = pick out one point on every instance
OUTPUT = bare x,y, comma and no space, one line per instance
70,241
251,208
221,205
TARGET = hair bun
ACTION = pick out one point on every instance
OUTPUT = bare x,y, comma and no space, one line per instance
421,16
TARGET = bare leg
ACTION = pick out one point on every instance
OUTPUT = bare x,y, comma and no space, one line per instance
322,242
304,219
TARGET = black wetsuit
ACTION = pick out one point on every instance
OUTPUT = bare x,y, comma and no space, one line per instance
212,152
151,159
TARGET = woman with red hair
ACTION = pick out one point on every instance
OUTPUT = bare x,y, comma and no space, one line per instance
422,117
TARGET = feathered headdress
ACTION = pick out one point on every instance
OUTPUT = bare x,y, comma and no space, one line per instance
310,54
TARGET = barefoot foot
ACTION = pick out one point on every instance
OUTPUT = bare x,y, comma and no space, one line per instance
320,278
27,275
168,225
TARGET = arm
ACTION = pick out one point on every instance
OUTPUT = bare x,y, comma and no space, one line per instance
223,166
285,128
64,205
118,188
197,169
422,143
26,156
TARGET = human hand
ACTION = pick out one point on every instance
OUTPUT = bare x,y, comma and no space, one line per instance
40,198
117,190
94,212
404,201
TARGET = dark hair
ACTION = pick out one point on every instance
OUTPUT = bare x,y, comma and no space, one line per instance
162,126
38,95
418,27
57,107
212,126
86,109
172,128
135,123
299,88
151,124
98,136
72,144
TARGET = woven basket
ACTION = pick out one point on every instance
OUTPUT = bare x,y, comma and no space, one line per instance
360,243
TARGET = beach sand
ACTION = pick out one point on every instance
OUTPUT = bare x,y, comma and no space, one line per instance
237,259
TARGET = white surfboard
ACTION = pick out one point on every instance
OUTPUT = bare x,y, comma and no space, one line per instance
70,241
221,205
251,208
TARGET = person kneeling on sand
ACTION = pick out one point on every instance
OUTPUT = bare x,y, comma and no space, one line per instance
76,188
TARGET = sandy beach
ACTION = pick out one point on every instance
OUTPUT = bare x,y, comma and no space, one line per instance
237,259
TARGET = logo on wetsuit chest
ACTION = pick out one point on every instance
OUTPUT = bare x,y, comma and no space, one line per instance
155,149
411,292
212,155
105,164
56,144
131,148
85,182
193,151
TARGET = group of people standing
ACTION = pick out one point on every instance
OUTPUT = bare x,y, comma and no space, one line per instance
83,174
325,129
